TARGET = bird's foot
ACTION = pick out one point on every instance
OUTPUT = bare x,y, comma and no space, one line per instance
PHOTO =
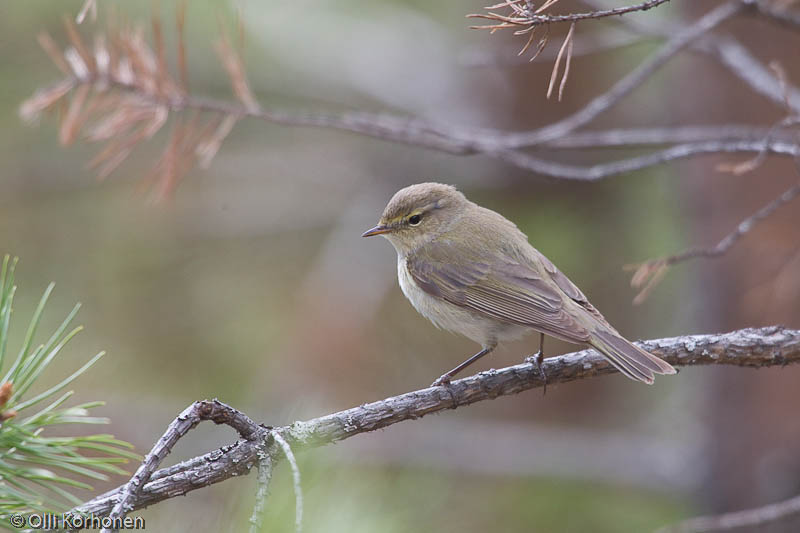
443,380
537,359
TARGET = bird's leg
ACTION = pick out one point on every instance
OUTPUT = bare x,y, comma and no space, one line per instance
444,379
537,359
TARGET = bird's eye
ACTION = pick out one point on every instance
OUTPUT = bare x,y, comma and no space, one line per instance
414,220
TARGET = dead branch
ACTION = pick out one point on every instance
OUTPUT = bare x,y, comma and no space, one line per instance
264,478
752,519
629,82
217,412
522,16
728,52
603,170
635,137
784,15
131,97
616,93
648,274
755,348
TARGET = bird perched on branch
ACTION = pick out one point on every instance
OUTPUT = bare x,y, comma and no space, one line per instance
470,270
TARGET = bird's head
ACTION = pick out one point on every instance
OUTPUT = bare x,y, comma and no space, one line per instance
417,214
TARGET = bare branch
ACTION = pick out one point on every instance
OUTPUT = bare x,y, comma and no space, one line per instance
264,479
611,97
729,52
648,274
144,84
788,17
298,491
752,519
742,64
418,132
761,347
215,411
525,18
604,170
633,137
756,161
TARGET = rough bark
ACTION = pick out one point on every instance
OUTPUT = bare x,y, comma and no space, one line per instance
752,347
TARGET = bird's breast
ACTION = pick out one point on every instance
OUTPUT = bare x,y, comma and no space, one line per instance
451,317
423,302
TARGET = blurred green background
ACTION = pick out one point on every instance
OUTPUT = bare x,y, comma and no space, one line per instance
253,286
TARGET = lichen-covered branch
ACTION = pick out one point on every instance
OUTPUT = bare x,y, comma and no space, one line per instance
756,348
215,411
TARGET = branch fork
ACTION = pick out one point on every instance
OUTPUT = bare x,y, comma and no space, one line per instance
754,347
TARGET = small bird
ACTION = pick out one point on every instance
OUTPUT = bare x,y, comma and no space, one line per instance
470,270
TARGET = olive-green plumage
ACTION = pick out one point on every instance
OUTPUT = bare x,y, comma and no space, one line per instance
470,270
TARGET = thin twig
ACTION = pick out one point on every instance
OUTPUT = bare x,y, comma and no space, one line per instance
419,133
264,479
756,161
85,70
752,519
213,410
760,347
791,119
730,53
621,89
89,6
788,17
298,490
741,230
538,19
603,170
409,130
649,273
634,137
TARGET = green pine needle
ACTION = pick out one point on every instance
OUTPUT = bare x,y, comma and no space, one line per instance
38,470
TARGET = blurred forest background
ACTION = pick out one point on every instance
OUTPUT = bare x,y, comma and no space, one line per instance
253,285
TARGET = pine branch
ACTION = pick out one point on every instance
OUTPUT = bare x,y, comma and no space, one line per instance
754,348
122,94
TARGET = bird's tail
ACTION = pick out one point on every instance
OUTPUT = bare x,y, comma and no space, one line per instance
629,359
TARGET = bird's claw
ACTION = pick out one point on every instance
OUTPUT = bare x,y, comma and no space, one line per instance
443,380
537,359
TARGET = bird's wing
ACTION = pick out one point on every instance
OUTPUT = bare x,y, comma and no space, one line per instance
499,287
569,288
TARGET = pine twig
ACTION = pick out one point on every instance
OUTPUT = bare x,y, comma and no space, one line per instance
213,410
755,348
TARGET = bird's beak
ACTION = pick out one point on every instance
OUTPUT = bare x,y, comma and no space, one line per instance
377,230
